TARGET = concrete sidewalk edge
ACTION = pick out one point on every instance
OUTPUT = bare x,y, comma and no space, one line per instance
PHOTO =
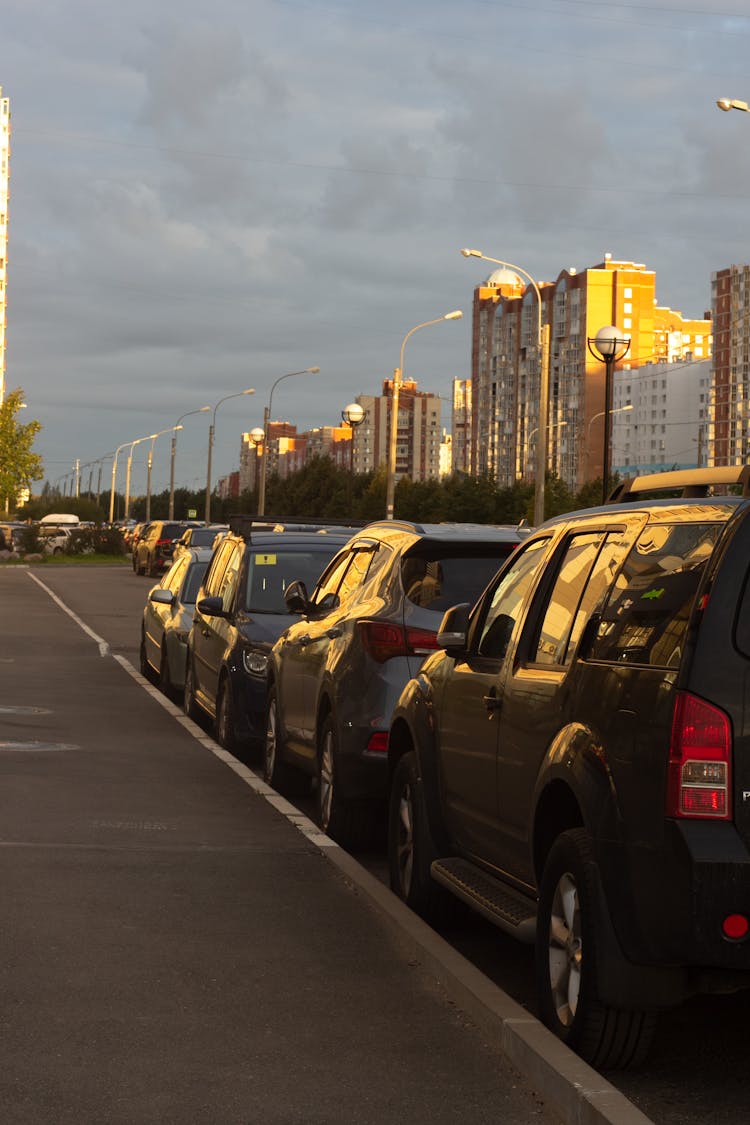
571,1088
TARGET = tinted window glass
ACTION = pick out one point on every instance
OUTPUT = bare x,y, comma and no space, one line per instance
506,602
172,580
193,583
218,566
552,640
649,605
269,573
228,584
440,581
357,572
330,581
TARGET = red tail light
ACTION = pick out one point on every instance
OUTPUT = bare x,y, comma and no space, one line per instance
164,542
700,761
383,640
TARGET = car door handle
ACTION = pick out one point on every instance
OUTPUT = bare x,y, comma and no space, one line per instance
303,640
492,701
333,632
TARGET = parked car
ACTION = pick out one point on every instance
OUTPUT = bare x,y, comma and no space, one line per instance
334,677
132,536
54,540
167,618
10,534
199,537
154,550
575,763
239,614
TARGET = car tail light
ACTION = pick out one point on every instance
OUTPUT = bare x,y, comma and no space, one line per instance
164,542
378,742
700,761
383,640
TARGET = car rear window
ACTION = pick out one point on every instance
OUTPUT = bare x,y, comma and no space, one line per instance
441,578
648,608
270,572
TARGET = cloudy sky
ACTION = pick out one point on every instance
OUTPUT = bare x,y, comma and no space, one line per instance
207,196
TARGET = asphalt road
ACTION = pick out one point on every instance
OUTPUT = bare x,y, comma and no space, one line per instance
698,1067
173,951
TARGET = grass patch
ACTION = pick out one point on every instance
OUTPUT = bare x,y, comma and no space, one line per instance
69,560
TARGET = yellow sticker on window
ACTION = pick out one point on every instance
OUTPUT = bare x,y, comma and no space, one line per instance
265,560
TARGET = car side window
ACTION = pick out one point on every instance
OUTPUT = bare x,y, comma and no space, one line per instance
330,580
647,612
228,584
356,572
174,577
552,641
507,599
216,570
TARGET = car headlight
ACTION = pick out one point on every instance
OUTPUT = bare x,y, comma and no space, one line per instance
255,663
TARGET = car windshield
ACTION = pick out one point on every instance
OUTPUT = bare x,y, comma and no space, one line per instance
270,572
193,582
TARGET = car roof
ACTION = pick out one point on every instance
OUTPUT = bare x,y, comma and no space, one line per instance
291,540
447,532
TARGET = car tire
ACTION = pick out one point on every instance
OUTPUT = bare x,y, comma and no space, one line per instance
277,773
224,724
411,848
567,947
165,680
144,666
349,823
189,704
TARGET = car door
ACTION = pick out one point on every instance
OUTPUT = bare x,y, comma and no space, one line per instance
158,614
470,703
300,653
537,697
202,634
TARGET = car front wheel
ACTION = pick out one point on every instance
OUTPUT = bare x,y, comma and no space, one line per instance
567,948
276,772
225,734
189,705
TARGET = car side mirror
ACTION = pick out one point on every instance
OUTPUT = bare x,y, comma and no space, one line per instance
296,599
211,607
161,596
454,629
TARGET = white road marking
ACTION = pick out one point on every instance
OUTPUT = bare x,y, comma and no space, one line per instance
309,830
36,747
103,646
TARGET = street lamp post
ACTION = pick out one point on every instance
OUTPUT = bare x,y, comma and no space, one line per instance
609,347
390,482
177,426
554,426
352,416
733,103
127,474
543,349
266,421
239,394
124,445
149,463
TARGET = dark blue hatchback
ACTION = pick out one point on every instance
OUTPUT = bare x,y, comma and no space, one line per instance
240,611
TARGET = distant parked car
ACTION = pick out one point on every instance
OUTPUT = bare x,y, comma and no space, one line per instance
10,534
167,618
199,537
334,677
239,614
155,548
54,540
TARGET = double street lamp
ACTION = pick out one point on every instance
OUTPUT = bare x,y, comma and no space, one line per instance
266,421
169,430
239,394
543,349
124,445
733,103
201,410
609,347
390,482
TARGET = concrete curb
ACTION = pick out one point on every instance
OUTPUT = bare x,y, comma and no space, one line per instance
569,1086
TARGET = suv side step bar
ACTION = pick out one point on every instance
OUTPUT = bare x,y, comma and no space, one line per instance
500,904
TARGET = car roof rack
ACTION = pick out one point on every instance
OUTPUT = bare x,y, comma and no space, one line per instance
689,483
247,525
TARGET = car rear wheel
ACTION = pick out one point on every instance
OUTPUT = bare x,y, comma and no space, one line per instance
411,849
276,772
189,705
567,948
350,823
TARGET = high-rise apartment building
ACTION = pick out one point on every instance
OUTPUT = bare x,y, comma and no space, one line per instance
461,427
730,405
4,173
418,435
506,363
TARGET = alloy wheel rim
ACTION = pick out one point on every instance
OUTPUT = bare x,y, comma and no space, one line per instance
565,949
270,753
325,787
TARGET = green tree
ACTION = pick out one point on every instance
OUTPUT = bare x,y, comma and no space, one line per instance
19,466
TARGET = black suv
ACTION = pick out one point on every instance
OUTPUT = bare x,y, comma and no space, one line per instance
575,763
239,613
